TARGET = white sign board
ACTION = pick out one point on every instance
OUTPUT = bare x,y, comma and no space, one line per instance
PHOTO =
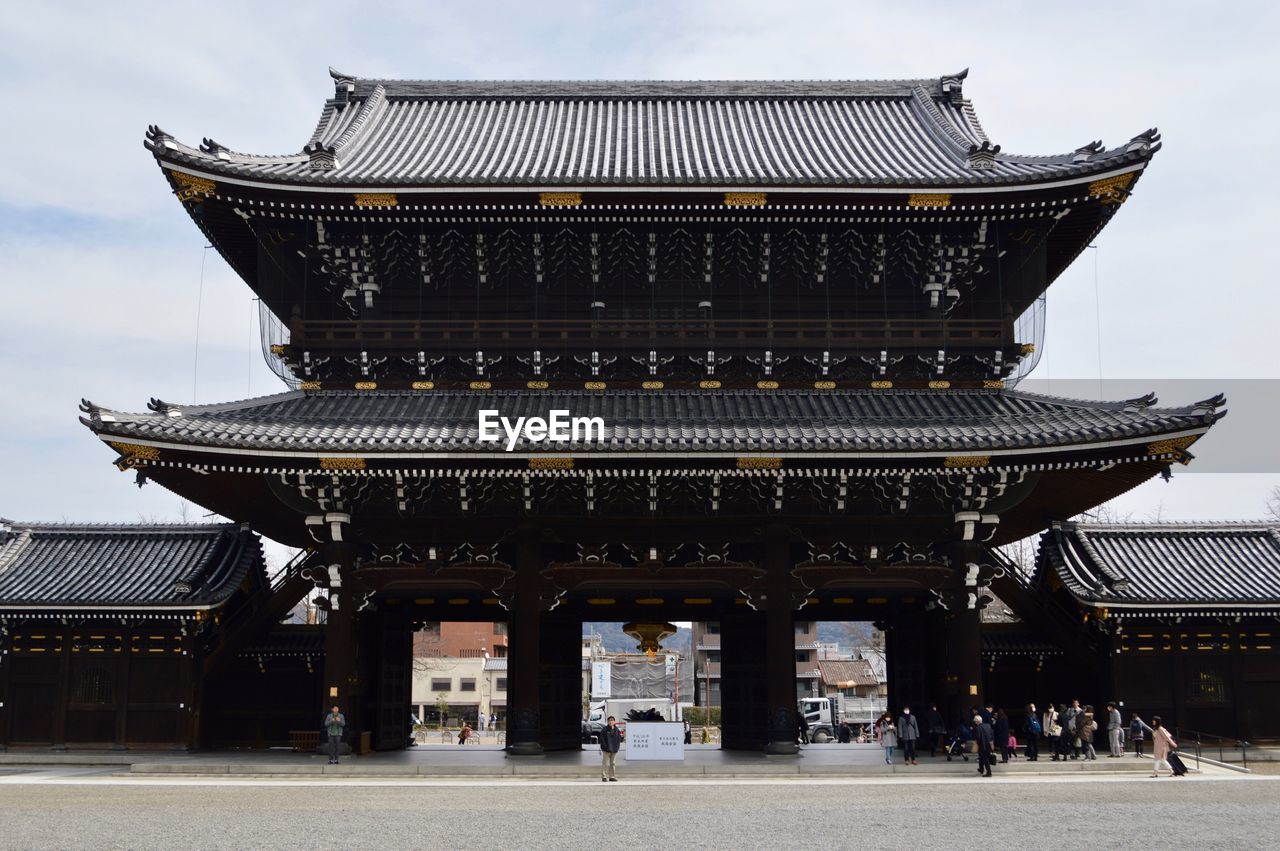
601,679
654,740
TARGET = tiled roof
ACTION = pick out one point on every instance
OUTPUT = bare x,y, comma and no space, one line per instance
495,663
847,674
844,421
178,566
1172,566
1005,642
634,133
303,641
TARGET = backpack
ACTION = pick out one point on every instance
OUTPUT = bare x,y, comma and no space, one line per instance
1033,724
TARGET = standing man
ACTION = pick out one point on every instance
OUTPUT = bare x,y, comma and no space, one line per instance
1031,729
986,739
480,722
334,724
610,743
1070,737
908,732
936,728
1115,731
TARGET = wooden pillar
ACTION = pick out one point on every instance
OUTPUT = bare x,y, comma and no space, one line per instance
523,692
64,691
744,706
780,646
341,641
962,629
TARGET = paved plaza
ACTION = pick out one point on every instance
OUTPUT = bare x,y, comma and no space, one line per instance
101,807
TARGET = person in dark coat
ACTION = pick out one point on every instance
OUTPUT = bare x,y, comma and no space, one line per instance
1000,728
610,744
986,742
1031,730
908,732
845,734
802,730
936,729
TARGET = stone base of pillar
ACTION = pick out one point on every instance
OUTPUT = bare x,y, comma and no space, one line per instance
782,749
525,749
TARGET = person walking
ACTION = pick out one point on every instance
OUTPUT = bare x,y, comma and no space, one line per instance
1031,729
1000,729
335,723
908,732
610,744
936,729
887,736
844,735
465,733
1138,731
985,737
1115,731
1161,744
802,729
1086,724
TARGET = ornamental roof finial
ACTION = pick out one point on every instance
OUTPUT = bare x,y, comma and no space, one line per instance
983,156
1144,140
215,149
1087,152
952,84
343,85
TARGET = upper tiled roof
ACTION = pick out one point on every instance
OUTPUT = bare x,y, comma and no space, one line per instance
175,566
846,674
844,421
396,133
1182,566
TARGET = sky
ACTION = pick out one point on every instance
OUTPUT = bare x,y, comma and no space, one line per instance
108,288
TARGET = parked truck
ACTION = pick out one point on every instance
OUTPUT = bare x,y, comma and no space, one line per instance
662,708
824,714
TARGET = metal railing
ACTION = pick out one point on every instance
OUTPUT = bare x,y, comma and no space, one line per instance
1223,743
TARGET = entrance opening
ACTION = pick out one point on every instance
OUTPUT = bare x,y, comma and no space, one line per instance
842,676
459,691
636,671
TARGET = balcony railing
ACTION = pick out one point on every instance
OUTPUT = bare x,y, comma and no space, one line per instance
410,334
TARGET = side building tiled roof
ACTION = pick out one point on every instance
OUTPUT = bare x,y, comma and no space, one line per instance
901,422
407,133
847,673
169,567
1185,567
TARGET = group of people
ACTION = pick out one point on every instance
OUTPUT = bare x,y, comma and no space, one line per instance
1068,730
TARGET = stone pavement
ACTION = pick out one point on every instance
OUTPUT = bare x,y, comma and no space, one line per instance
827,760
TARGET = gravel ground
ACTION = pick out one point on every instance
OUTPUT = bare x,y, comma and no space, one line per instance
1043,815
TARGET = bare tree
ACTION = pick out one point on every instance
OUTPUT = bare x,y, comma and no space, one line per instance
1273,504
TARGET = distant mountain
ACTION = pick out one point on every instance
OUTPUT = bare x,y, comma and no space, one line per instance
617,641
847,634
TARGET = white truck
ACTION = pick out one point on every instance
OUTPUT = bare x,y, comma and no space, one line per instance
823,714
599,712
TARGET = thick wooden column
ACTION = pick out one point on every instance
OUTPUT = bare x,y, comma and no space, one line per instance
962,628
780,646
341,644
523,692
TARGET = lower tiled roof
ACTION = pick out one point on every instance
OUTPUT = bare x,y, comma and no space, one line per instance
844,421
72,566
847,673
1182,566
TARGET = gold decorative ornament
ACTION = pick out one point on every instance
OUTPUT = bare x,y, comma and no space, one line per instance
745,199
376,199
136,451
844,601
345,463
961,461
653,385
759,463
189,186
560,199
1112,190
939,385
550,463
1173,446
710,384
309,385
882,385
481,385
277,348
600,601
697,601
424,385
538,385
929,199
824,385
366,385
993,384
766,385
1027,348
595,385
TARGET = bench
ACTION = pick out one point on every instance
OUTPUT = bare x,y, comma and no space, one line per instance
304,740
